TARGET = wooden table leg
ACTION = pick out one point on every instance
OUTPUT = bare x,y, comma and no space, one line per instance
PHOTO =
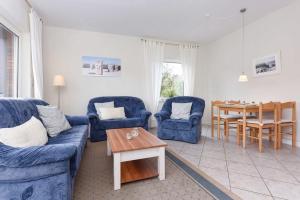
219,124
244,128
212,126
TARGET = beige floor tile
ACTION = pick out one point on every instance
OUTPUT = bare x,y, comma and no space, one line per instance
192,159
239,158
213,163
241,168
262,162
284,190
247,195
250,183
276,174
292,166
288,158
214,154
220,176
192,151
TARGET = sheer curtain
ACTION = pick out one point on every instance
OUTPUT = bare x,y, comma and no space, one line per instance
153,58
36,27
188,57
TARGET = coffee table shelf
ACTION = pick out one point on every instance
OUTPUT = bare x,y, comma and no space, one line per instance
138,170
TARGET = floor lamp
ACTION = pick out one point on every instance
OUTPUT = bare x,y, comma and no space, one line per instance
59,82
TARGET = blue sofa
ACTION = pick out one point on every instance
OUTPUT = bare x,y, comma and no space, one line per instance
180,129
135,111
40,172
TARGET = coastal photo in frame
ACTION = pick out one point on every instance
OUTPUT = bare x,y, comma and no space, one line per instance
101,66
267,65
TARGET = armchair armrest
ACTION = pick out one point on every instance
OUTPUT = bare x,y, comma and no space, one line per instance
77,120
145,114
195,118
93,116
31,156
162,115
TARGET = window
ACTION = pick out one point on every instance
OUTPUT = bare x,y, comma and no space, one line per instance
172,80
9,43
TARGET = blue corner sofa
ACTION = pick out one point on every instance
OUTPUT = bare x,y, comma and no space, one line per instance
180,129
40,172
135,111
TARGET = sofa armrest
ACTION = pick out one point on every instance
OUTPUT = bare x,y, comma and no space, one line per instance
31,156
162,115
77,120
195,118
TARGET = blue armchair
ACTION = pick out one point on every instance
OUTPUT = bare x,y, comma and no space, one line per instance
135,111
180,129
40,172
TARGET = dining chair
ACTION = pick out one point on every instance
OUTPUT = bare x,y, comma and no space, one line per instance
226,118
287,120
262,122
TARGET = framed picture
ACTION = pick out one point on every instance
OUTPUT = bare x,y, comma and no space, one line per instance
100,66
267,65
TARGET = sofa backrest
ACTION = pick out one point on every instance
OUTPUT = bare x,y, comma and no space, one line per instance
14,112
197,106
132,105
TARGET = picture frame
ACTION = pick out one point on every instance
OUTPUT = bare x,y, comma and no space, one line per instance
267,65
101,66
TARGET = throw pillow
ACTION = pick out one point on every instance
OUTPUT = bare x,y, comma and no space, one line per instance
112,113
110,104
53,119
181,110
31,133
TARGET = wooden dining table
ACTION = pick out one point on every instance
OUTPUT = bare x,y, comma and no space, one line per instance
244,109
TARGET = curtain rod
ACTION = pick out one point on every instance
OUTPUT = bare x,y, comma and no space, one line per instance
172,43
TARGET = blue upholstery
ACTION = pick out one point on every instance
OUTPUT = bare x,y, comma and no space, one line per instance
41,172
135,111
180,129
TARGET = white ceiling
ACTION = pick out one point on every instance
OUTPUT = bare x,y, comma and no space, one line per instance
178,20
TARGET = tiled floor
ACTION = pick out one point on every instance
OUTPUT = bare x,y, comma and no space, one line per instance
248,173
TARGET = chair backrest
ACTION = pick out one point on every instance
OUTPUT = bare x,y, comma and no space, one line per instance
197,106
14,112
132,105
270,107
287,106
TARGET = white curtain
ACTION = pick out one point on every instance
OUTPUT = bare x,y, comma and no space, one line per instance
36,27
188,58
153,58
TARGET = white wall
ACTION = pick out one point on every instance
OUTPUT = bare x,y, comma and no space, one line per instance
62,51
279,31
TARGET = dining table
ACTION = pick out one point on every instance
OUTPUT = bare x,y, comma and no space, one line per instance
242,108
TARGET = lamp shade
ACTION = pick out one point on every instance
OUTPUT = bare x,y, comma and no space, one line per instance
59,81
243,78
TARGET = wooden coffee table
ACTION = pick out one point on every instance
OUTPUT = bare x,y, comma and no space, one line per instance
140,158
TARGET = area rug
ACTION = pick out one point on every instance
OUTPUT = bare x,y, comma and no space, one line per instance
95,181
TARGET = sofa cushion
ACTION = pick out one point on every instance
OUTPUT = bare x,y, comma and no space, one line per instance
31,133
53,119
119,123
112,113
77,136
176,124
